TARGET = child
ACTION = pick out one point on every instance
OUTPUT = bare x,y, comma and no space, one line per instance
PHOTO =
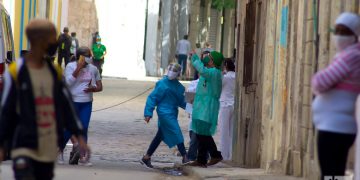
167,96
336,88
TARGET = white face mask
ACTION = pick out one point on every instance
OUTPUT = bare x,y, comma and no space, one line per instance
88,60
172,75
342,42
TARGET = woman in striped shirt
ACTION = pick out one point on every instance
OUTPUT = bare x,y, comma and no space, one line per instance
336,88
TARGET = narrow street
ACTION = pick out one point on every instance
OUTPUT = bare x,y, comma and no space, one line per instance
118,137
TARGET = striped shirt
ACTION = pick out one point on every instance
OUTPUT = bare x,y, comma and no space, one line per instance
343,73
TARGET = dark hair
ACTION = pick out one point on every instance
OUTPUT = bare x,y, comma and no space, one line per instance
229,64
66,29
82,51
73,34
186,37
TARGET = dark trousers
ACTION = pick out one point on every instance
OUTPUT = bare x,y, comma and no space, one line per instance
333,149
206,144
64,56
156,142
28,169
192,153
99,64
182,60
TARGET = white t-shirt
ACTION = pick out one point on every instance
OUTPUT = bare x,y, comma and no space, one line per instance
189,107
183,47
227,97
89,74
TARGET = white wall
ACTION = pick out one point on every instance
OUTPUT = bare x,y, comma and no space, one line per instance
122,28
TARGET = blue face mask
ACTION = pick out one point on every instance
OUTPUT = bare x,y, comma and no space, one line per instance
98,42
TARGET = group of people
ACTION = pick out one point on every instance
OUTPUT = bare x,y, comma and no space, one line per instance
42,107
68,45
212,93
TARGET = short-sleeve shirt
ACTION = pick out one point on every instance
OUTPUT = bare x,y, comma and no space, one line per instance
42,83
88,75
98,51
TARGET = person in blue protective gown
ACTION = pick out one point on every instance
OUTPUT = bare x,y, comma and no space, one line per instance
167,97
206,107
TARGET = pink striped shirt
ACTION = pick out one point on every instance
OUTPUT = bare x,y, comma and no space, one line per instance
343,73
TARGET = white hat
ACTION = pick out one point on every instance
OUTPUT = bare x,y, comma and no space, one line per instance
350,20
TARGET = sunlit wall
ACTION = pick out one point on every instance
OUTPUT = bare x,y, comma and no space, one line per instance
122,28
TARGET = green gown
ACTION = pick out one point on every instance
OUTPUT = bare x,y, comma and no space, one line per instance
206,104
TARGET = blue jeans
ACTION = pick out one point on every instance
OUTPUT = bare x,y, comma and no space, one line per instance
182,60
192,153
84,112
156,142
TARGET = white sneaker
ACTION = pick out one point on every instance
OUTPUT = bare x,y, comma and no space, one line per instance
85,162
60,158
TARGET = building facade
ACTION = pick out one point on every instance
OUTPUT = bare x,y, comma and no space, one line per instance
281,44
169,21
22,11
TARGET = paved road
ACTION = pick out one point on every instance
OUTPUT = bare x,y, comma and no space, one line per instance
119,137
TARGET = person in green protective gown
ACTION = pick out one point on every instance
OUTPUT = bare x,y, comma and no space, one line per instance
206,107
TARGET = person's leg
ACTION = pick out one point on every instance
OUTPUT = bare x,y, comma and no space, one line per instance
67,59
84,112
185,64
23,168
202,149
101,66
154,144
182,149
192,153
44,171
225,132
333,150
60,59
214,153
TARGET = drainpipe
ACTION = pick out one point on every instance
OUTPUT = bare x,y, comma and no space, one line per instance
222,30
146,18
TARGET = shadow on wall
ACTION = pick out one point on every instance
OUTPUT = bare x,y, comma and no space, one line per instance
83,20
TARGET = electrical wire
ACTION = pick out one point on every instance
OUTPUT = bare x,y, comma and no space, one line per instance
123,102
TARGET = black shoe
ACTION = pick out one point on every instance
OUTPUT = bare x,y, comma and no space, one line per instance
146,162
214,161
196,164
74,156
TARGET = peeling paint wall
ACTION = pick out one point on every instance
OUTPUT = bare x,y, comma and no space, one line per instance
277,110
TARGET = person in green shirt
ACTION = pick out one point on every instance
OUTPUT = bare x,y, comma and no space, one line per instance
99,52
206,107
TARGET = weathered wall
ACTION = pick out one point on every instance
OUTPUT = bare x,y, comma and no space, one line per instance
277,110
83,20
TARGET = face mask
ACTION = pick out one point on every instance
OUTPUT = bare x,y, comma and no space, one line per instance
342,42
172,75
88,60
98,42
51,50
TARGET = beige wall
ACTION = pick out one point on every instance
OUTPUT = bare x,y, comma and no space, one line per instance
83,20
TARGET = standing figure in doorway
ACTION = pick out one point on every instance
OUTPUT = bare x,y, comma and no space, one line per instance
226,113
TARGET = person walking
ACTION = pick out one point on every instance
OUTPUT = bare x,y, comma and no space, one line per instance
36,107
167,96
74,44
99,52
226,113
64,42
336,88
206,107
182,51
83,79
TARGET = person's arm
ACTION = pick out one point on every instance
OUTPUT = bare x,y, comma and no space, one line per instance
335,73
8,117
199,66
98,87
105,52
71,74
153,99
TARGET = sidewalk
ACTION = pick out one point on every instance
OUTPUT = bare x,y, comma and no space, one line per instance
225,172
